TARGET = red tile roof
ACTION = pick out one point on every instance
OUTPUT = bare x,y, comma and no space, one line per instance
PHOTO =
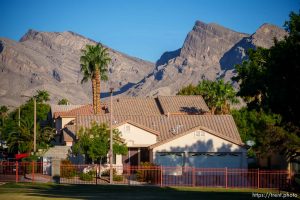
166,116
183,104
82,110
222,126
143,106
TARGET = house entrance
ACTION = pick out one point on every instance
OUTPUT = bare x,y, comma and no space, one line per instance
135,156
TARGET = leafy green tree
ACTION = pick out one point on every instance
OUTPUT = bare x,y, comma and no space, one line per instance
63,101
217,94
3,113
94,62
94,142
20,138
269,79
266,130
269,83
251,76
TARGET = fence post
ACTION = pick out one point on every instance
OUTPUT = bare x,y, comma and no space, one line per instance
161,176
258,178
194,176
129,173
226,178
55,170
32,175
96,174
290,174
17,171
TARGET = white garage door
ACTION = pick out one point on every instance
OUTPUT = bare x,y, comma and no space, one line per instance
215,160
173,162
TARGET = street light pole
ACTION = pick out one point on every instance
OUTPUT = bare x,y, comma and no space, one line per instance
19,116
111,141
34,126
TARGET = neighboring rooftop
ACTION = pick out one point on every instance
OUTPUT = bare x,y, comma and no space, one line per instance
81,110
62,108
127,106
183,104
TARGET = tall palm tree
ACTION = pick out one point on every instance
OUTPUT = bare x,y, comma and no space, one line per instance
42,96
94,62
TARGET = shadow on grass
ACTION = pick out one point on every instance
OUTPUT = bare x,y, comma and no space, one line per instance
124,192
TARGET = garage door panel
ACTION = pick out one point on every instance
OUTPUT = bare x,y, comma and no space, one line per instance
214,160
170,159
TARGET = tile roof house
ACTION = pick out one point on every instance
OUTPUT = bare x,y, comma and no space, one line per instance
167,130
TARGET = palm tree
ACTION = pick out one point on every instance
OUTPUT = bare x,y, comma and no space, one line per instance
94,62
63,101
21,140
41,96
218,95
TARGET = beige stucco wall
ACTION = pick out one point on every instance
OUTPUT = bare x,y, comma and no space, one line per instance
136,137
66,120
61,122
69,144
200,141
119,160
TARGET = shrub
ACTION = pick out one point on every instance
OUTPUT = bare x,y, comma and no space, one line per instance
107,172
27,167
67,169
148,173
56,179
117,178
31,158
86,177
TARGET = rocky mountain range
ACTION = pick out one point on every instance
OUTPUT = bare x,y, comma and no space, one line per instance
50,61
210,51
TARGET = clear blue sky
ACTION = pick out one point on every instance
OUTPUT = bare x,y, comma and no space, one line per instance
141,28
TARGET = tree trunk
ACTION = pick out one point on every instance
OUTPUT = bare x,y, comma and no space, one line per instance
94,95
213,110
98,106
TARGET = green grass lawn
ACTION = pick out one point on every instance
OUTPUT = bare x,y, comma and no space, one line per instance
22,191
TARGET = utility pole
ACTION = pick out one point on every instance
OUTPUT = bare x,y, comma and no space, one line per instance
111,140
34,126
19,116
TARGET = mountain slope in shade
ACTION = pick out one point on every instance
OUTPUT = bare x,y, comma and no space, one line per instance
50,61
210,51
198,58
263,37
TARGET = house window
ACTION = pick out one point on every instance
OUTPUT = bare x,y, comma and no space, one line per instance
199,134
